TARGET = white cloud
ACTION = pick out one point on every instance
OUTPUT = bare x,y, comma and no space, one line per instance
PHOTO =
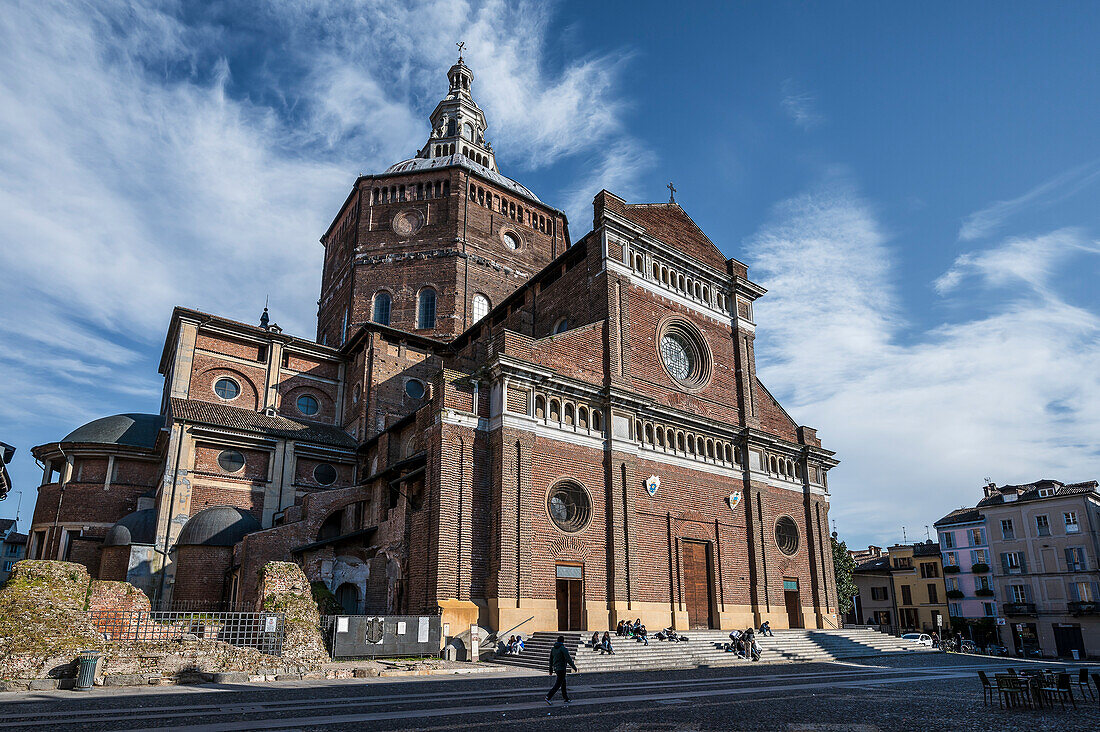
800,106
986,221
1022,260
919,418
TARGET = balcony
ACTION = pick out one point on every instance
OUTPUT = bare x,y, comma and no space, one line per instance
950,569
983,592
979,568
1019,608
1083,607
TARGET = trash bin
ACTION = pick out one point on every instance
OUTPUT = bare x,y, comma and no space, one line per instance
85,670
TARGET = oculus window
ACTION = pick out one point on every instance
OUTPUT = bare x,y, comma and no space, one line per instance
786,535
684,354
569,506
308,405
324,474
414,388
227,389
231,461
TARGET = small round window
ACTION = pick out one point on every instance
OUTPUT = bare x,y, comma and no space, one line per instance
324,474
227,389
231,461
414,388
510,240
684,354
307,405
786,535
569,506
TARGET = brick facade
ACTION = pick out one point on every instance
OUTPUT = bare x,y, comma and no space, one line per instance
489,469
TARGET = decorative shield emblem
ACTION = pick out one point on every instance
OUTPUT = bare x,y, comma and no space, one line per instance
734,499
652,484
373,633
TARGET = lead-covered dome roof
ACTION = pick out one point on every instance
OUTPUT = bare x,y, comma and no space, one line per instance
138,527
422,164
218,526
133,430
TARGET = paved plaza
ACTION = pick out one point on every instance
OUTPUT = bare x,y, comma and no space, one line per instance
932,691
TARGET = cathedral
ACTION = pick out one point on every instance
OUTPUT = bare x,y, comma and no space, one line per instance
495,422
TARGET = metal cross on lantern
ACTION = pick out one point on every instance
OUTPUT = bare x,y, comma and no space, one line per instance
461,47
671,193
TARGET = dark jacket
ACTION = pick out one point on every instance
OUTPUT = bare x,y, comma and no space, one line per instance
560,658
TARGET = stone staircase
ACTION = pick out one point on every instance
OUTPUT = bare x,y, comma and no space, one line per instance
705,649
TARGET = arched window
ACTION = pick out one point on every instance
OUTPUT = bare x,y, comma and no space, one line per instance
680,282
691,444
700,446
639,263
656,272
555,410
649,433
561,326
680,442
670,438
481,307
382,304
468,131
729,454
597,421
582,417
540,407
425,309
568,413
774,465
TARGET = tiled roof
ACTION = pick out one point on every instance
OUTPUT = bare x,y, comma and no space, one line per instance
16,539
960,516
670,224
6,524
926,550
223,415
874,565
1030,491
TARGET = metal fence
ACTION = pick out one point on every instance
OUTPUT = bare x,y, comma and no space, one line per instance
371,636
262,631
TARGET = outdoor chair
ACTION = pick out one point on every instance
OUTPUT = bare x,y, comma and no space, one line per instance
1083,683
1096,681
987,688
1060,688
1011,693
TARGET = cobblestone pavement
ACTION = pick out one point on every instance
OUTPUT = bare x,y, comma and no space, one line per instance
932,691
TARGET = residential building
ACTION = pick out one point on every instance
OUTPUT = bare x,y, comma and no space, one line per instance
964,549
1044,545
916,571
13,547
874,603
859,556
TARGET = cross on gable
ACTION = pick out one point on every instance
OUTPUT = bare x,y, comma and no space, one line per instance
671,193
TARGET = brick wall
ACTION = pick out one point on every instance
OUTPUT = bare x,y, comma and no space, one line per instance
201,573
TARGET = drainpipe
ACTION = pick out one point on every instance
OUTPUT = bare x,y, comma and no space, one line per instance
171,508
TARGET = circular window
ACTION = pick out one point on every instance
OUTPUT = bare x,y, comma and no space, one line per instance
308,405
786,535
684,354
324,474
569,506
510,239
231,461
414,389
227,389
407,223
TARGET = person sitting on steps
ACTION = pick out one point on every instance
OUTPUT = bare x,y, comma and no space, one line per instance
605,647
595,642
641,635
766,628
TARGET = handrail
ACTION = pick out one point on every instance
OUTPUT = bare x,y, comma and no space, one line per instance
829,619
492,637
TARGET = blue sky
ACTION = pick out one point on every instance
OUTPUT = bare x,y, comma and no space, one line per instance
915,184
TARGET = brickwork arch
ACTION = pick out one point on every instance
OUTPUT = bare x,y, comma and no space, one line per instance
205,380
569,548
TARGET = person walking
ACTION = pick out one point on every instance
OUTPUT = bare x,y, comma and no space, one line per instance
560,661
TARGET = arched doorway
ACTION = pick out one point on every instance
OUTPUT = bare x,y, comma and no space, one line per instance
347,595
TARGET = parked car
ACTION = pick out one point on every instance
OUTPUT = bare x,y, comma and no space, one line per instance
922,638
994,650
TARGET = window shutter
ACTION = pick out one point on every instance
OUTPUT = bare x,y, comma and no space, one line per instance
1004,562
1023,563
1074,596
1069,558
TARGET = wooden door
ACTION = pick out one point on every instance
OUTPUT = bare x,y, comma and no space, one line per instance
570,604
696,584
794,609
